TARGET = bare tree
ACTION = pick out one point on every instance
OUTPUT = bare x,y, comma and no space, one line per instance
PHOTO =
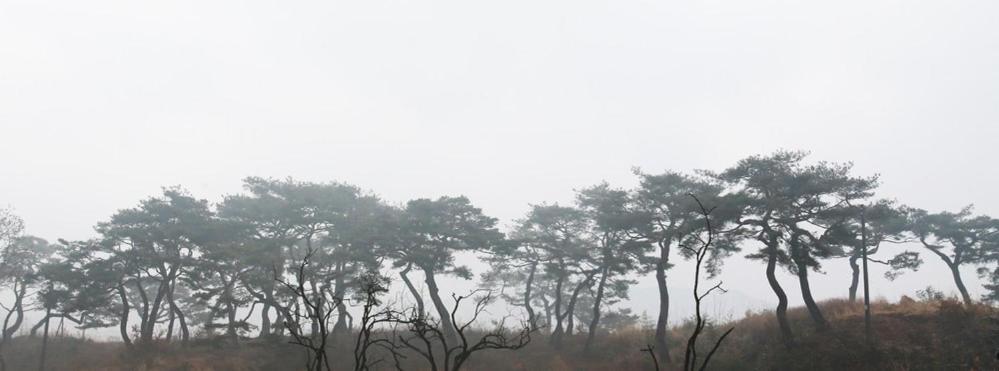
958,239
314,305
427,338
699,253
371,287
651,350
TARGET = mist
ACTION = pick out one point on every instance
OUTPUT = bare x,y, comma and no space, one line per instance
511,104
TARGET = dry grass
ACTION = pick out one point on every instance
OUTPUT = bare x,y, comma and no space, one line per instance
910,335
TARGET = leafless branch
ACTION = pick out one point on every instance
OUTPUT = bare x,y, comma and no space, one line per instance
690,362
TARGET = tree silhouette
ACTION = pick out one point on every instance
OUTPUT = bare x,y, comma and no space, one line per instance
699,253
617,250
427,338
957,239
792,209
307,257
310,305
430,233
885,223
157,242
551,245
672,218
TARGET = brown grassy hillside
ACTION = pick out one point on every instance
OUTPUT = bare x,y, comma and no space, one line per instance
910,335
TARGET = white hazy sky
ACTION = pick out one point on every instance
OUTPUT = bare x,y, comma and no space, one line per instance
508,102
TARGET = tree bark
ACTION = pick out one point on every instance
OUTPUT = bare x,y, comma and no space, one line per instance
662,323
527,296
45,340
145,316
279,319
316,317
798,255
265,297
338,291
956,272
442,311
175,312
162,289
231,332
595,322
7,330
171,319
785,327
185,332
18,310
230,308
548,312
123,319
806,294
855,278
556,338
265,320
570,312
420,307
171,314
38,326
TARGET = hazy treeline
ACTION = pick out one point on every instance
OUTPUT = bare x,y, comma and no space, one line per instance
176,265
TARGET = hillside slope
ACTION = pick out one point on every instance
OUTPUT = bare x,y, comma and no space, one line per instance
909,335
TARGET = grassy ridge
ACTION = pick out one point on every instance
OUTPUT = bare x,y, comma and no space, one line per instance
910,335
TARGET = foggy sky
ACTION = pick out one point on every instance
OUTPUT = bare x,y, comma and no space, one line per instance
508,102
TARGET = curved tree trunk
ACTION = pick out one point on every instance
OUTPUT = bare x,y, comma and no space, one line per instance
595,322
806,295
662,323
556,338
420,307
527,297
265,313
265,320
17,311
570,312
956,272
442,311
339,290
855,278
231,332
279,319
164,287
41,323
548,312
144,314
570,319
341,324
954,265
171,314
8,330
315,317
185,332
171,320
230,308
123,319
785,327
266,298
798,255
